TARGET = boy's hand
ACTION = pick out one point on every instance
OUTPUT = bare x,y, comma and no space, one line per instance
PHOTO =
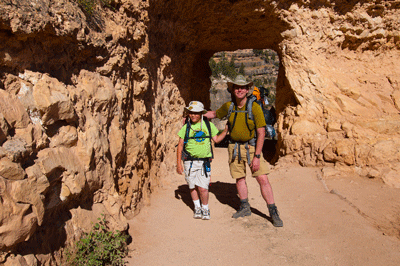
226,128
179,168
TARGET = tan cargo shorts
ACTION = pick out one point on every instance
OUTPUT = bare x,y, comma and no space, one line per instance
195,174
238,167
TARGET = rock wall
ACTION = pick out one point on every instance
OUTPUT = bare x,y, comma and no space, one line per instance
340,66
338,84
85,115
90,103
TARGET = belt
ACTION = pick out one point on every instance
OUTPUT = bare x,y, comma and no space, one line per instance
236,149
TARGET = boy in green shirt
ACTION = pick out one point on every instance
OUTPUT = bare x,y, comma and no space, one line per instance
195,140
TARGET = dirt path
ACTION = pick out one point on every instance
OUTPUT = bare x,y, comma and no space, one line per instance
339,221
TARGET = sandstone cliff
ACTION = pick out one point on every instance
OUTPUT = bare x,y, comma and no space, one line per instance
90,103
84,128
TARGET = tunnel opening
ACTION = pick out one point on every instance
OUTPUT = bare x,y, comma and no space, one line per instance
183,39
261,66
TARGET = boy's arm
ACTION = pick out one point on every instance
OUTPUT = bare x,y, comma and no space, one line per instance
221,136
179,167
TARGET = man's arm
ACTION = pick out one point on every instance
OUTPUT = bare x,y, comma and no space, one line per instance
260,140
210,114
255,163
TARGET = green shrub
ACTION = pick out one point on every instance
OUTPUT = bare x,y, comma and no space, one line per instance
89,5
99,247
224,67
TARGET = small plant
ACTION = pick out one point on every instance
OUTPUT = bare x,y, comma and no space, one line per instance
99,247
89,5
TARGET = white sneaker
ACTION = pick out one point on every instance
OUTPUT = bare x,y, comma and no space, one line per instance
205,214
197,213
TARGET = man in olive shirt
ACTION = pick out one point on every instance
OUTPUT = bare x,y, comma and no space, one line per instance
244,148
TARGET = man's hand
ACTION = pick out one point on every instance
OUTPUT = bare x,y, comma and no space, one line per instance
255,164
210,114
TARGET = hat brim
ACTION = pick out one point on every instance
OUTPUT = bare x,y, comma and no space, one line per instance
230,85
201,112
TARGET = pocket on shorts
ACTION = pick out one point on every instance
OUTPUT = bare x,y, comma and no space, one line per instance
186,167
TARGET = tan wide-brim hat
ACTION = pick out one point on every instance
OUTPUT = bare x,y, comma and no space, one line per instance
196,106
240,80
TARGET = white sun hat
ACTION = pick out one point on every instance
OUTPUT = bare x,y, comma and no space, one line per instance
196,106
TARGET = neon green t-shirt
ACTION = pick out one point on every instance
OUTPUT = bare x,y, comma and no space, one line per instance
240,131
200,147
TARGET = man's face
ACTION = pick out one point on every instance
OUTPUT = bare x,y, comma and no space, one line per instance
240,91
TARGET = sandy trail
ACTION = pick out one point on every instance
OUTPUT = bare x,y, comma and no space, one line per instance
352,226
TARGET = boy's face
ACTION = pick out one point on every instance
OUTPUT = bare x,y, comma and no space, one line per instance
195,117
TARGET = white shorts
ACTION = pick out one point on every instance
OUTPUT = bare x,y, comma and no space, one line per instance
195,174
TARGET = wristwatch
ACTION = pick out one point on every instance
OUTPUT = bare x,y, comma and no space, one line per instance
257,156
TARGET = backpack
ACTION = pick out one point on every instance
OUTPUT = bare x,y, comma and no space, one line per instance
249,105
269,129
257,93
185,154
263,91
269,116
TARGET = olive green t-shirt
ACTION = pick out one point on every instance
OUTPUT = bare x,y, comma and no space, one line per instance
240,131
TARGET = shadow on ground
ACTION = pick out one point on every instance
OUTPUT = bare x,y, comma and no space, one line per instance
225,193
269,150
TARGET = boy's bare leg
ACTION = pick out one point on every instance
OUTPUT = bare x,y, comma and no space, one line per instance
203,195
194,194
196,201
205,211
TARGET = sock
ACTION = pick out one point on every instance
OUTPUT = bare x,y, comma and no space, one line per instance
271,205
205,207
244,201
196,203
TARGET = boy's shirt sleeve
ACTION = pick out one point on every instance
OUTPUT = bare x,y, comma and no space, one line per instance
182,132
214,130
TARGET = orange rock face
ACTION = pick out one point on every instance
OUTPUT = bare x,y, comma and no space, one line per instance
90,105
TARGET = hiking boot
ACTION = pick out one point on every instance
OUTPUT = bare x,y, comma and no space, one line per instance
197,213
273,213
244,210
205,214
